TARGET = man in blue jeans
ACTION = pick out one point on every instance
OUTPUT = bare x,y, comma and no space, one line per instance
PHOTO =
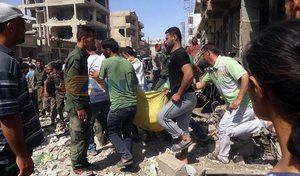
122,86
99,103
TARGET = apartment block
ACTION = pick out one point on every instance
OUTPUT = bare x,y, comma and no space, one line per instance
126,29
57,21
232,24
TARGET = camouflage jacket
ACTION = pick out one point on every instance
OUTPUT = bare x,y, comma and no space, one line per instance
76,80
57,79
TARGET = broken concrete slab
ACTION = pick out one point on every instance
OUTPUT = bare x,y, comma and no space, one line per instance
171,166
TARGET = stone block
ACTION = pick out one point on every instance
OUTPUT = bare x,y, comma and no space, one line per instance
171,166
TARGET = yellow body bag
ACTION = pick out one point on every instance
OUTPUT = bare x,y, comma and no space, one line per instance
148,106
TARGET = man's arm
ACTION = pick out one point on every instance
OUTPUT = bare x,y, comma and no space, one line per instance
101,82
34,81
243,89
13,132
200,85
45,90
185,83
73,73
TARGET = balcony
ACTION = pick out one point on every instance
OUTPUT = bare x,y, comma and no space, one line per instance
216,8
34,1
141,34
100,5
141,25
142,43
130,26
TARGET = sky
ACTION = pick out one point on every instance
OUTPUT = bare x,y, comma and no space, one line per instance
156,15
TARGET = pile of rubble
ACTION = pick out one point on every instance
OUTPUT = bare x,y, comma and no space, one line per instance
154,158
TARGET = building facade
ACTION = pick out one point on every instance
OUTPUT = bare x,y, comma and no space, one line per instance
193,22
126,29
57,21
231,24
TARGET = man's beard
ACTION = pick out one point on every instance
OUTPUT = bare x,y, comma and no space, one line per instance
20,40
169,47
106,55
90,47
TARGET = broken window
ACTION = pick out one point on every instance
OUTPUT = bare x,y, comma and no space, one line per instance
64,32
122,32
190,20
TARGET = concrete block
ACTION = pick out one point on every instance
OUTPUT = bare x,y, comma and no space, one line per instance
171,166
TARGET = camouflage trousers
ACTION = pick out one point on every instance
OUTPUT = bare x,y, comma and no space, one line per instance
49,105
79,132
40,100
59,101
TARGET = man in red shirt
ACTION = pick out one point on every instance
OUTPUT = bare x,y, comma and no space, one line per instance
194,48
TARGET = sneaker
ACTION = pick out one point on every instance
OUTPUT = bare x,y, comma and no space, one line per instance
92,167
214,158
82,172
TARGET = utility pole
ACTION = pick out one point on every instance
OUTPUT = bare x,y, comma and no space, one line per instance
182,24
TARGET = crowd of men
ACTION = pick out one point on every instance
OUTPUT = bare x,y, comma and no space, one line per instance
98,87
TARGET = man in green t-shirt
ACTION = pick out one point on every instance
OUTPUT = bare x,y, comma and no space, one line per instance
122,86
231,80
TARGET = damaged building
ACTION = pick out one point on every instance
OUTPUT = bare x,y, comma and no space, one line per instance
231,24
57,21
127,30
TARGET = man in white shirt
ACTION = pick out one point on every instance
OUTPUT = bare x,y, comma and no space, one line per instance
156,63
99,102
129,54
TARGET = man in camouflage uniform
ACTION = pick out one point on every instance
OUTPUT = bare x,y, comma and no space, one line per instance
77,100
55,80
37,79
48,94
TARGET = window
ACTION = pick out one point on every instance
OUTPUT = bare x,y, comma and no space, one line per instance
122,32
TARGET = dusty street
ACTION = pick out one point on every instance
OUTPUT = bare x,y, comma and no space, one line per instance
52,158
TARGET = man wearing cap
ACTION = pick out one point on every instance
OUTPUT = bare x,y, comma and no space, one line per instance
17,140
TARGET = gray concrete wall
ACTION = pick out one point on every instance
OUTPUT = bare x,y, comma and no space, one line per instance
249,24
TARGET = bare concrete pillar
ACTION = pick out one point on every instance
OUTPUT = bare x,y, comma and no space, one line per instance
75,11
74,31
94,15
44,13
47,13
249,24
48,32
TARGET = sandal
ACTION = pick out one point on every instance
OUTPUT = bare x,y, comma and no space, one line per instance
126,163
178,147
